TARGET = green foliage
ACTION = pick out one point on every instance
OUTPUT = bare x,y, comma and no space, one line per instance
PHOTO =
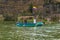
30,20
55,19
44,21
9,18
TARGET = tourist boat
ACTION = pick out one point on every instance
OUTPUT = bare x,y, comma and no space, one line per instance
28,24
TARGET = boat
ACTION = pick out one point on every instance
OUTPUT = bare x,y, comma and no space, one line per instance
28,24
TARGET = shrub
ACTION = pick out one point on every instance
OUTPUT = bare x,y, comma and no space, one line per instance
55,19
9,18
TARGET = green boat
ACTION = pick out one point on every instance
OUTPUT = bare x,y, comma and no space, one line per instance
29,24
26,23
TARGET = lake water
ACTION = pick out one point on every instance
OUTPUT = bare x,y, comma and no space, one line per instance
48,32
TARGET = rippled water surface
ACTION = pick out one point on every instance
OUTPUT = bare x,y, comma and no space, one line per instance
12,32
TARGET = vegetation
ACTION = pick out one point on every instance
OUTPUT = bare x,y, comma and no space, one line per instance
11,9
55,19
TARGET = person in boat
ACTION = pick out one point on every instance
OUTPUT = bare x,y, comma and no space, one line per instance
25,21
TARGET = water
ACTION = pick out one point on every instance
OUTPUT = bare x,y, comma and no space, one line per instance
44,32
12,32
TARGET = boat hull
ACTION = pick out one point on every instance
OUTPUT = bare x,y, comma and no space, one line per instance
29,24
